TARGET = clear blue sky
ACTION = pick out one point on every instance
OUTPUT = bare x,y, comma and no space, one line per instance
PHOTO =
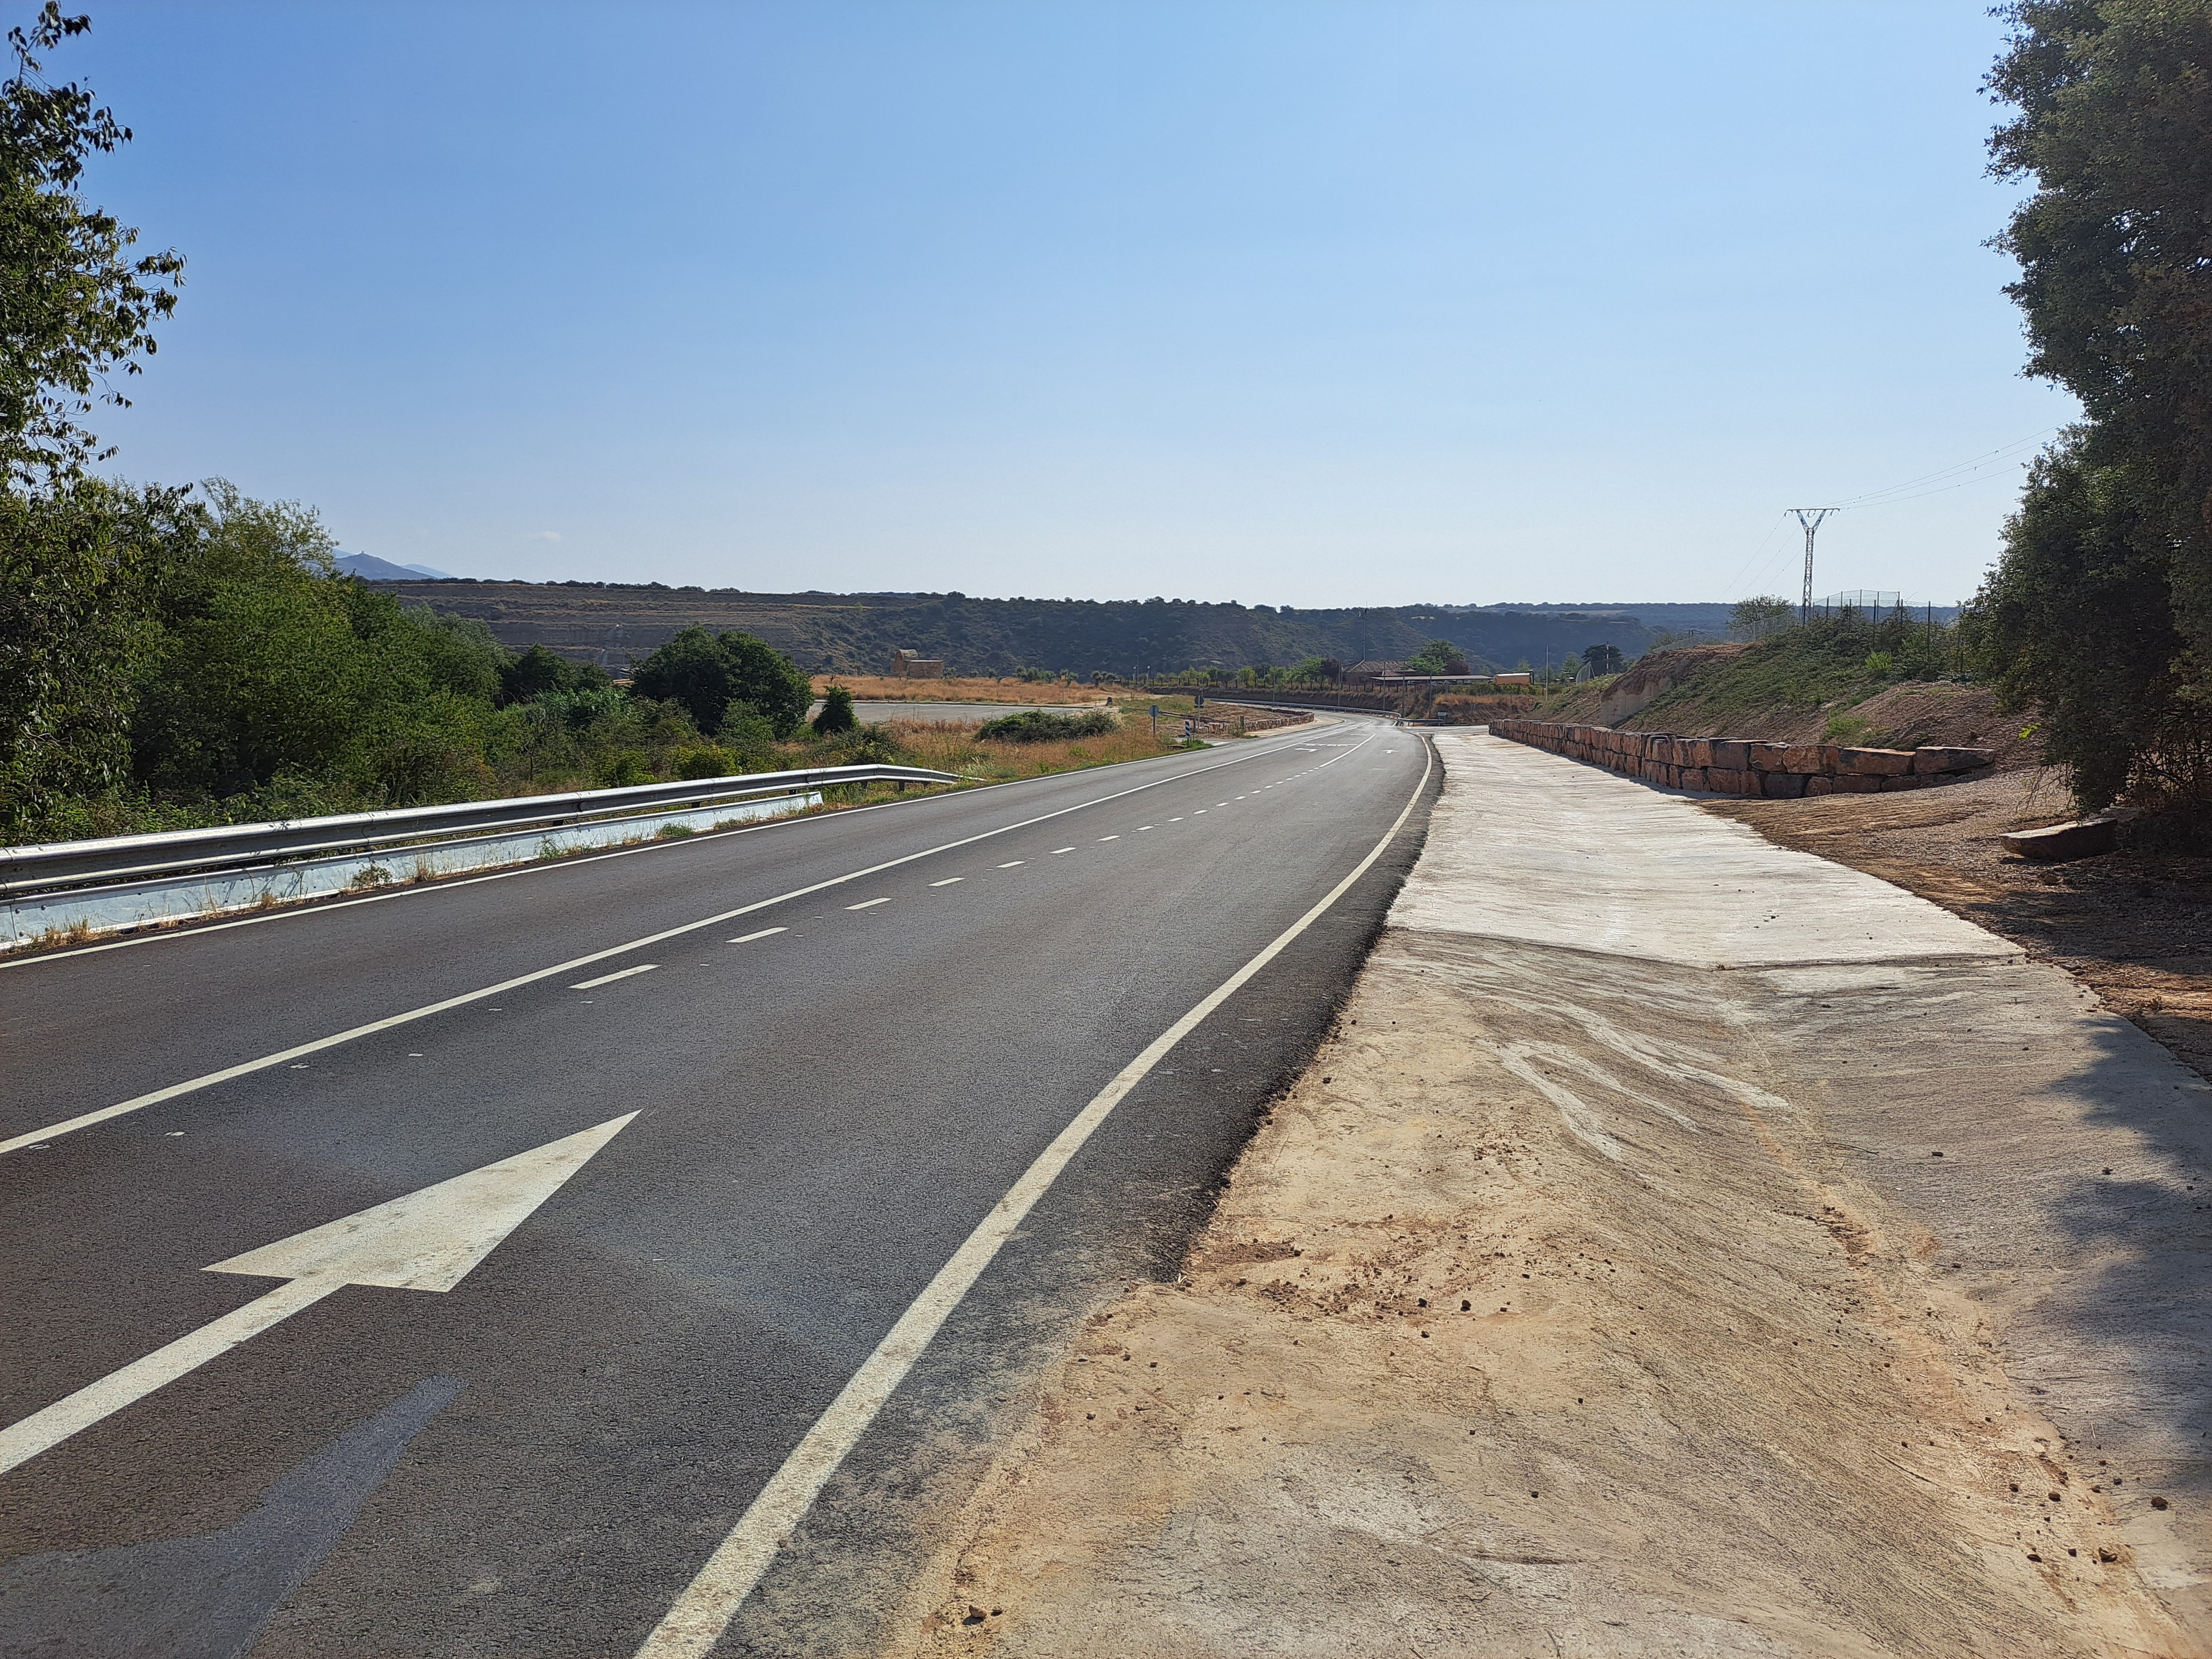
1358,303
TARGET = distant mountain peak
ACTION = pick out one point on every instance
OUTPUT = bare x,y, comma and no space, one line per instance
370,569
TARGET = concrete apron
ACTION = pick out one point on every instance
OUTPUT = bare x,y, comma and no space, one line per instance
1977,1150
48,916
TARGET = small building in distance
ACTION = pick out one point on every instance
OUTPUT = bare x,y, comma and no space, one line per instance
1366,673
913,666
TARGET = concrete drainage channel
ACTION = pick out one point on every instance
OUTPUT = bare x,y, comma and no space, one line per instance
69,891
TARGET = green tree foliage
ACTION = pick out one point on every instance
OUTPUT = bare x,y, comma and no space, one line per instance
706,672
77,305
1760,613
2073,623
837,713
539,671
1603,659
70,634
265,663
1437,657
2100,611
2115,127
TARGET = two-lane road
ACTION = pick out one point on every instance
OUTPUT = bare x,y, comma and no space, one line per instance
844,1041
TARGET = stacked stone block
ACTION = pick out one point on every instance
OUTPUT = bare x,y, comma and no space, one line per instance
1735,766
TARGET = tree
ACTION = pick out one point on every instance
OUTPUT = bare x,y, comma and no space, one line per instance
2112,546
70,634
1436,657
1758,614
1603,659
837,713
2072,625
707,673
76,305
2115,127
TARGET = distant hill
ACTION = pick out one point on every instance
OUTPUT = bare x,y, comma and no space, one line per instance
369,568
614,625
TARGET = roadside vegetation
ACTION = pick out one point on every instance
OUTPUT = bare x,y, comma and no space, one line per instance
2099,615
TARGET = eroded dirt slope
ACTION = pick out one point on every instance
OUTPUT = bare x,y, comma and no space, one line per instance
1620,1301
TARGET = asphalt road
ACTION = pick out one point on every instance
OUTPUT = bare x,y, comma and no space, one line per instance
538,1460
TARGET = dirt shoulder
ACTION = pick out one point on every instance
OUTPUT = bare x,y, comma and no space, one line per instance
2135,927
1680,1247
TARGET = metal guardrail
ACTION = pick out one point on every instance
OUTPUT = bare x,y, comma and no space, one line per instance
118,857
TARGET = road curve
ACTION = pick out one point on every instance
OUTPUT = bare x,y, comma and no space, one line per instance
844,1040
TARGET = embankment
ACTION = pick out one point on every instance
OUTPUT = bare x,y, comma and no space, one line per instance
1682,1245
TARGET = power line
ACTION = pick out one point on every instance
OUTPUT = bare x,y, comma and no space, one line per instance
1878,497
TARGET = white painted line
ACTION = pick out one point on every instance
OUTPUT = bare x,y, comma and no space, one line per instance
563,866
1109,838
1010,863
609,979
246,1068
1057,850
1142,827
765,932
696,1622
1175,820
1202,812
870,904
948,881
426,1240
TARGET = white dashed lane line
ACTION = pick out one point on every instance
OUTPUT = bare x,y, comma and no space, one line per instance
609,979
1057,850
867,904
1010,863
948,881
747,938
1109,838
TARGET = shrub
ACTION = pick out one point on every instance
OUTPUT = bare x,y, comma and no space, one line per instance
837,713
704,761
707,673
1037,725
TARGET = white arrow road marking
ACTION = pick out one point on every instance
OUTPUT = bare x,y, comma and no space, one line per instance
426,1241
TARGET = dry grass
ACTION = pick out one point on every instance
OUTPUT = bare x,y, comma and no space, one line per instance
882,688
954,749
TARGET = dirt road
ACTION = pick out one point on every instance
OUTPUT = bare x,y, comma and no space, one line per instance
1684,1245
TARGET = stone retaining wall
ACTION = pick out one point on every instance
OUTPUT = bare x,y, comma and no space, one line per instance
1732,766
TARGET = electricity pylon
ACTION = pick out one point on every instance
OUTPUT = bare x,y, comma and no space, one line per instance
1810,517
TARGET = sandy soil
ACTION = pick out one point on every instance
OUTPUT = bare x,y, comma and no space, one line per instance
2136,927
1578,1303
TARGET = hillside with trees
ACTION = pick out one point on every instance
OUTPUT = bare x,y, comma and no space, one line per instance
611,624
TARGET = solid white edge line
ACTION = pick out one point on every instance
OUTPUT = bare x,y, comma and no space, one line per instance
245,1068
702,1613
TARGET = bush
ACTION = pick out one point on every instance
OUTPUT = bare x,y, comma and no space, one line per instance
705,761
837,713
707,673
1037,725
